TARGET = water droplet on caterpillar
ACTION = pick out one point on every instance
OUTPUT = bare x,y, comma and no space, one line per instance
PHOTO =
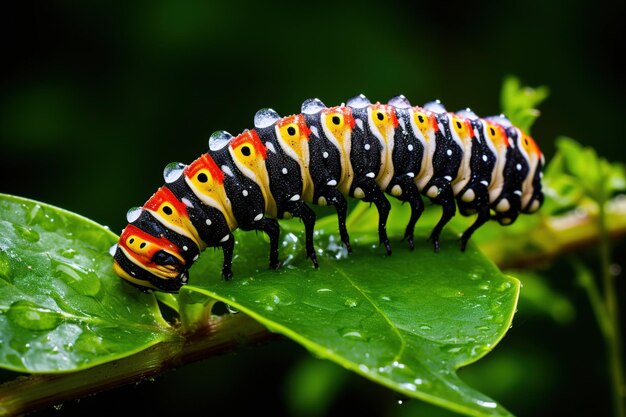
399,102
500,119
265,118
173,171
133,214
359,102
219,139
435,107
467,113
312,106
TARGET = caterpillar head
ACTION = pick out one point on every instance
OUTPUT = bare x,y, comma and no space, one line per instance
149,262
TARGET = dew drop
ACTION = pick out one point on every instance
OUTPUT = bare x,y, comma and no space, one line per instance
351,302
26,233
351,334
219,140
312,106
359,102
400,102
487,404
31,316
69,253
133,214
173,171
5,266
265,118
435,107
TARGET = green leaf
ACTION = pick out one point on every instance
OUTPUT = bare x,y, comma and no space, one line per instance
518,102
406,321
62,307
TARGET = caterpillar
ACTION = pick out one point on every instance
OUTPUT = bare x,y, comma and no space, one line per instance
360,149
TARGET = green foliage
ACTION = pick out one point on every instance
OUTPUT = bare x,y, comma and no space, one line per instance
407,321
519,102
61,308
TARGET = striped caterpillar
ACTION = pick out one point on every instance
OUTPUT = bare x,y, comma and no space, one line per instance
486,166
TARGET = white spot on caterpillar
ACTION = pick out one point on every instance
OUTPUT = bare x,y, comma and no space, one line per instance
432,192
332,183
225,238
185,248
448,178
359,123
186,201
284,171
370,175
245,193
468,196
411,174
367,146
295,197
485,183
226,170
208,222
396,190
449,152
314,131
410,147
325,155
518,192
258,217
518,167
485,158
195,258
358,192
270,147
503,205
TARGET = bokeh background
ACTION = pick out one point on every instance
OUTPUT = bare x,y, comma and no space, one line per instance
97,97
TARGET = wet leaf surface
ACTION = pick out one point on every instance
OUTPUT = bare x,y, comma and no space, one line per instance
61,306
407,321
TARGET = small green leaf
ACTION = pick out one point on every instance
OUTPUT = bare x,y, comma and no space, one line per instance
518,102
61,306
406,321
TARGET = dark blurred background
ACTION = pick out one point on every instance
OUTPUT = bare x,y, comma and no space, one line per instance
97,97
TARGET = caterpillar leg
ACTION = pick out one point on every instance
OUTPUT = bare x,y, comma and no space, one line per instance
336,199
482,208
372,194
271,228
228,247
301,210
445,199
411,195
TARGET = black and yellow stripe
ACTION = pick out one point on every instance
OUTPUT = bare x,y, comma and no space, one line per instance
485,166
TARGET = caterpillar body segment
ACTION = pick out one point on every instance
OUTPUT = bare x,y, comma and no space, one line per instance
362,150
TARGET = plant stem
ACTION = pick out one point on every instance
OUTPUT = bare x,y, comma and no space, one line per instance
613,336
225,334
